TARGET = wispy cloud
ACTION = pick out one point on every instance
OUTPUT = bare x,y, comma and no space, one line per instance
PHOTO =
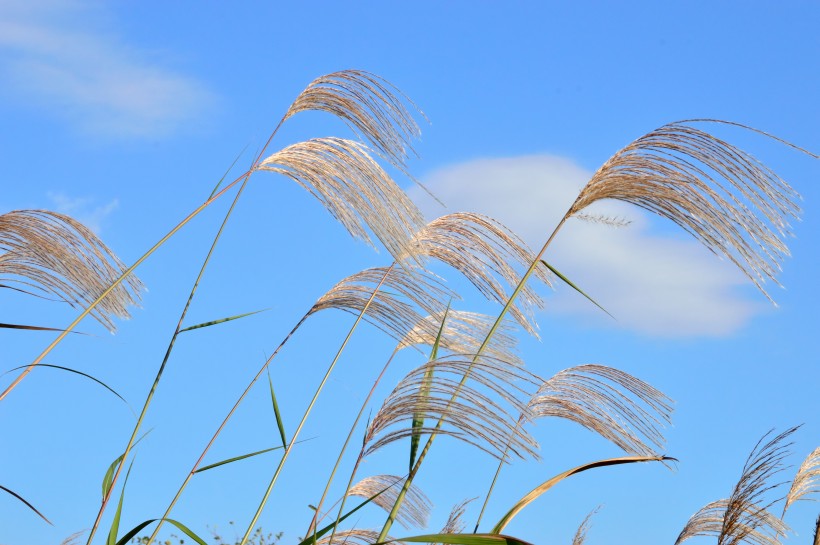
654,282
52,53
83,209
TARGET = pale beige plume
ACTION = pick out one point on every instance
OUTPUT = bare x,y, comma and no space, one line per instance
484,414
415,510
724,197
399,304
745,517
463,333
353,188
488,254
53,253
806,481
617,406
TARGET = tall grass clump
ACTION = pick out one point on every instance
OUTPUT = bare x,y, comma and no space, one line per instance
468,384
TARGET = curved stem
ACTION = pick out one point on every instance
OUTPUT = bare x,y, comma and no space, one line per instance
310,408
245,178
222,426
119,281
161,370
521,418
392,516
358,459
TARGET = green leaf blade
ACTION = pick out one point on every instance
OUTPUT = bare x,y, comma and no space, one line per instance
567,281
221,320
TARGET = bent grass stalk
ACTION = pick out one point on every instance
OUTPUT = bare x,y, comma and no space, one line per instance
310,408
244,178
218,431
392,516
316,519
168,351
119,281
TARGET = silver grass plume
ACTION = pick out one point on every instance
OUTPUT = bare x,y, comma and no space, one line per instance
745,516
583,529
357,536
709,521
724,197
617,406
806,481
455,522
487,254
370,105
415,510
353,188
56,254
484,414
463,333
396,307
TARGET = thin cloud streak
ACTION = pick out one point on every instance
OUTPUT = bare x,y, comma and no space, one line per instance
83,209
654,283
55,58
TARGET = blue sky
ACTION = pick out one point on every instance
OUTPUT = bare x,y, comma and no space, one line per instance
125,116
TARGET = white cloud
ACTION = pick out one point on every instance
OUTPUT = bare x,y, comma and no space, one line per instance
653,282
83,209
57,56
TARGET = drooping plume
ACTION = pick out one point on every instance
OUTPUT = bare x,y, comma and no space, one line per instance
724,197
398,306
484,413
806,481
487,254
370,105
615,405
415,509
463,333
55,254
745,516
353,188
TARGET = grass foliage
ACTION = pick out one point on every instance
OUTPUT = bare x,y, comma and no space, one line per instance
472,385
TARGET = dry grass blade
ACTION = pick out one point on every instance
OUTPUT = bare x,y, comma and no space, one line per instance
354,536
583,529
395,308
415,510
462,334
609,402
745,515
487,254
59,255
353,188
807,480
484,413
370,105
723,196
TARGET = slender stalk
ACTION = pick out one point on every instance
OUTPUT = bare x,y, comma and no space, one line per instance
341,453
310,408
314,522
244,178
119,281
222,426
521,418
161,369
397,505
495,478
